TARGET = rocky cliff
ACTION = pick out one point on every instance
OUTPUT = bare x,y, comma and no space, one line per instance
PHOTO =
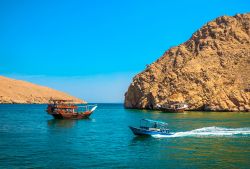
210,71
17,91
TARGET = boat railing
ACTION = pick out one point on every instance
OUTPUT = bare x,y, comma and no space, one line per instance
86,107
153,125
173,105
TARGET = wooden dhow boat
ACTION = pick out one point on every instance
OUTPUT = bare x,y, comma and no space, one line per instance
66,109
173,107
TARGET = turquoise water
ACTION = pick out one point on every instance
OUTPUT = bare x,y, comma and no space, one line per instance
30,138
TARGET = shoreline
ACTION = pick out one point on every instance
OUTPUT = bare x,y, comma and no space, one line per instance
193,110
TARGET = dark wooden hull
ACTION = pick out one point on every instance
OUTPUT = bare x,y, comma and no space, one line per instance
172,110
67,115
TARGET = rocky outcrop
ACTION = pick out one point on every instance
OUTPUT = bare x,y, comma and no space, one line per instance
210,71
17,91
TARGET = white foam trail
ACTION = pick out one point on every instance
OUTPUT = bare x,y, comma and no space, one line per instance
208,131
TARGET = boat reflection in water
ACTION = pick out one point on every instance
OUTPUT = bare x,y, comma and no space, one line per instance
61,123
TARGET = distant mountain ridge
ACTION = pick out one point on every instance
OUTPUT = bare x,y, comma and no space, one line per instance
18,91
210,71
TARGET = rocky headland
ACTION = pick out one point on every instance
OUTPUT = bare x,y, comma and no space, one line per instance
210,71
21,92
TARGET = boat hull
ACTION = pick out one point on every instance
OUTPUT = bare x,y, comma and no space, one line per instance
63,115
141,132
172,110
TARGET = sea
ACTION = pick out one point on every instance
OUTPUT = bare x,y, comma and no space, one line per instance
30,138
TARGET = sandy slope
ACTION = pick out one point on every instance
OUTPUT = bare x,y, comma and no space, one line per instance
17,91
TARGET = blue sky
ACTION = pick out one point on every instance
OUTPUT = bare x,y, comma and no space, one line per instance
92,49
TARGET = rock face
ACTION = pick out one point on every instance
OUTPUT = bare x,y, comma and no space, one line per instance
17,91
210,71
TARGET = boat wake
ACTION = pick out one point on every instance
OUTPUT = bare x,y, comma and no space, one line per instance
209,131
